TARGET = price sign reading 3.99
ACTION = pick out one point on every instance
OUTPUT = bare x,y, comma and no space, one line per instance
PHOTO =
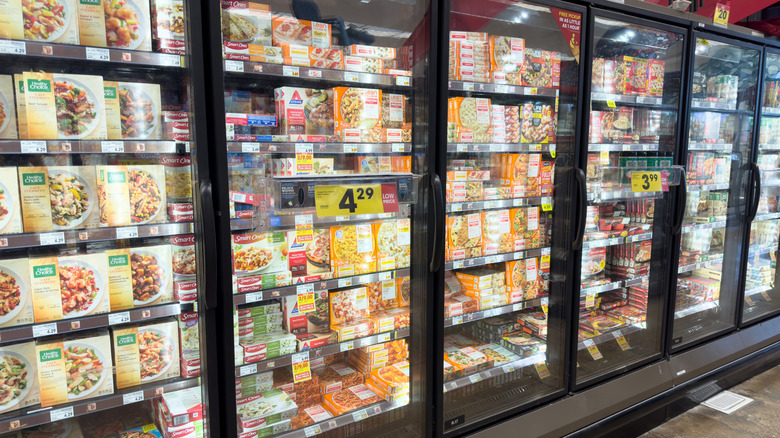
646,181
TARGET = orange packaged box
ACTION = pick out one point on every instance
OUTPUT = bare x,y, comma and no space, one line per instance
521,172
393,244
339,376
349,304
401,164
391,319
496,232
347,400
403,291
522,276
393,379
352,250
468,120
507,56
358,114
525,227
288,30
464,235
459,304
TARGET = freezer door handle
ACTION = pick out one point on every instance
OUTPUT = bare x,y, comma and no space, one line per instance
756,175
437,249
209,242
582,198
682,201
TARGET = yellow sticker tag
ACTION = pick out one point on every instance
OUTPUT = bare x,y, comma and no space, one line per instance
541,369
611,104
334,200
750,301
645,181
301,371
722,13
621,340
304,158
604,158
305,302
766,296
590,299
546,206
594,351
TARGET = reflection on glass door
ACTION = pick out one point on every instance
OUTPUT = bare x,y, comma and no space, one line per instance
723,98
513,70
761,295
635,94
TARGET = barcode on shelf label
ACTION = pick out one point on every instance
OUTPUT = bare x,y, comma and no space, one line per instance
96,54
61,414
305,289
112,147
346,346
253,297
312,430
247,370
304,220
344,282
456,320
127,233
402,81
315,73
468,86
13,47
44,330
353,77
475,378
133,397
234,66
56,238
350,149
508,368
33,147
118,318
385,276
518,255
384,337
397,147
249,146
360,415
170,60
292,71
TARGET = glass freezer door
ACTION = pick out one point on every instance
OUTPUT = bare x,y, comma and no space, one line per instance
513,79
722,104
326,116
635,98
761,295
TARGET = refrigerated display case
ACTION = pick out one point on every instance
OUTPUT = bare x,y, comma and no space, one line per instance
635,98
762,250
513,84
101,248
722,102
320,144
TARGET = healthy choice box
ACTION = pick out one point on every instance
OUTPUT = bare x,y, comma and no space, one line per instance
75,368
16,293
154,345
53,21
10,206
140,277
19,367
131,195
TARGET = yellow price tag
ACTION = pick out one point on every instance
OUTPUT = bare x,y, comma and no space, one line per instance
645,181
546,206
593,350
304,235
766,296
749,301
590,299
621,340
604,156
301,371
722,12
541,369
333,200
305,302
611,104
304,158
552,153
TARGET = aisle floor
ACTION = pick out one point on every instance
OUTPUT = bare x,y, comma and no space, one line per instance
761,418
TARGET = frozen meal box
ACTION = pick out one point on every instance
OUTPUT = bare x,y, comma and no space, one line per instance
178,177
8,128
45,287
265,409
53,21
113,195
538,68
73,197
140,107
308,416
75,368
507,55
146,353
382,295
140,276
79,106
496,232
128,24
338,376
21,106
92,22
468,120
361,64
16,303
18,363
259,253
403,288
349,304
246,22
183,256
83,285
464,231
316,320
113,111
268,346
40,107
131,194
289,30
306,111
393,244
349,399
358,114
352,250
309,255
371,51
10,205
168,30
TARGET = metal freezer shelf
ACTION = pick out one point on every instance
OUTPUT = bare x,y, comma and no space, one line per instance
315,74
489,313
346,419
502,89
95,235
761,250
611,335
92,146
334,283
617,195
717,260
267,221
495,372
486,260
643,147
723,147
500,147
601,243
501,203
613,286
624,98
696,308
710,187
695,227
318,148
327,350
766,217
63,51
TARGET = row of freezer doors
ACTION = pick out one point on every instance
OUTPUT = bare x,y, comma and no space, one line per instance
363,280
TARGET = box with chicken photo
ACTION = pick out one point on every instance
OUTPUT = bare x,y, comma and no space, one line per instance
156,346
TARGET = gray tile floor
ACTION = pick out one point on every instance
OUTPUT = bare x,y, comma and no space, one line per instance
761,418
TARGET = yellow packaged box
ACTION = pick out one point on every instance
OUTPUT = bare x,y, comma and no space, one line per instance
40,106
128,24
139,104
79,108
140,277
15,293
7,108
393,379
45,286
73,197
10,207
393,244
34,195
75,368
156,346
52,21
92,22
352,250
113,196
18,365
113,113
358,114
21,106
84,285
131,195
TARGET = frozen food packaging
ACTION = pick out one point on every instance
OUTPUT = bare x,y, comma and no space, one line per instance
507,55
156,346
382,295
349,399
92,22
265,409
128,24
8,127
140,107
178,177
19,365
16,303
73,197
113,111
75,368
393,244
349,304
361,64
289,30
305,111
140,276
10,205
352,250
371,51
246,23
21,106
79,106
168,30
358,114
47,22
40,106
314,321
84,285
468,120
310,415
496,232
338,376
259,253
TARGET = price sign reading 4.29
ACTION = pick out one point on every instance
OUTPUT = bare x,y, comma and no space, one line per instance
646,181
333,200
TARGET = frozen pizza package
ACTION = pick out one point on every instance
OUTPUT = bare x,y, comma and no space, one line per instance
349,304
310,415
338,376
349,399
289,30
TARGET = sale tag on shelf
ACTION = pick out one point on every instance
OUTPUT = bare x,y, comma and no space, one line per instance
611,104
306,302
333,200
547,203
590,299
766,296
541,369
750,301
593,349
304,158
604,158
722,12
301,369
303,228
545,302
621,340
645,181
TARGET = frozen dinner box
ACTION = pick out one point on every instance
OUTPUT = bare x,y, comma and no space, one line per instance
145,353
358,114
53,21
168,31
10,206
18,363
7,108
289,30
140,276
140,107
259,253
352,250
16,303
265,409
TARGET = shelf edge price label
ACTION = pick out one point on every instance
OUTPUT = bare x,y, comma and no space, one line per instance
722,12
474,378
253,297
41,330
402,81
312,430
291,71
645,181
247,370
337,200
108,147
300,367
55,238
304,158
118,318
33,147
360,415
547,203
611,104
621,340
236,66
127,233
545,304
61,414
133,397
541,370
13,47
508,368
96,54
592,349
